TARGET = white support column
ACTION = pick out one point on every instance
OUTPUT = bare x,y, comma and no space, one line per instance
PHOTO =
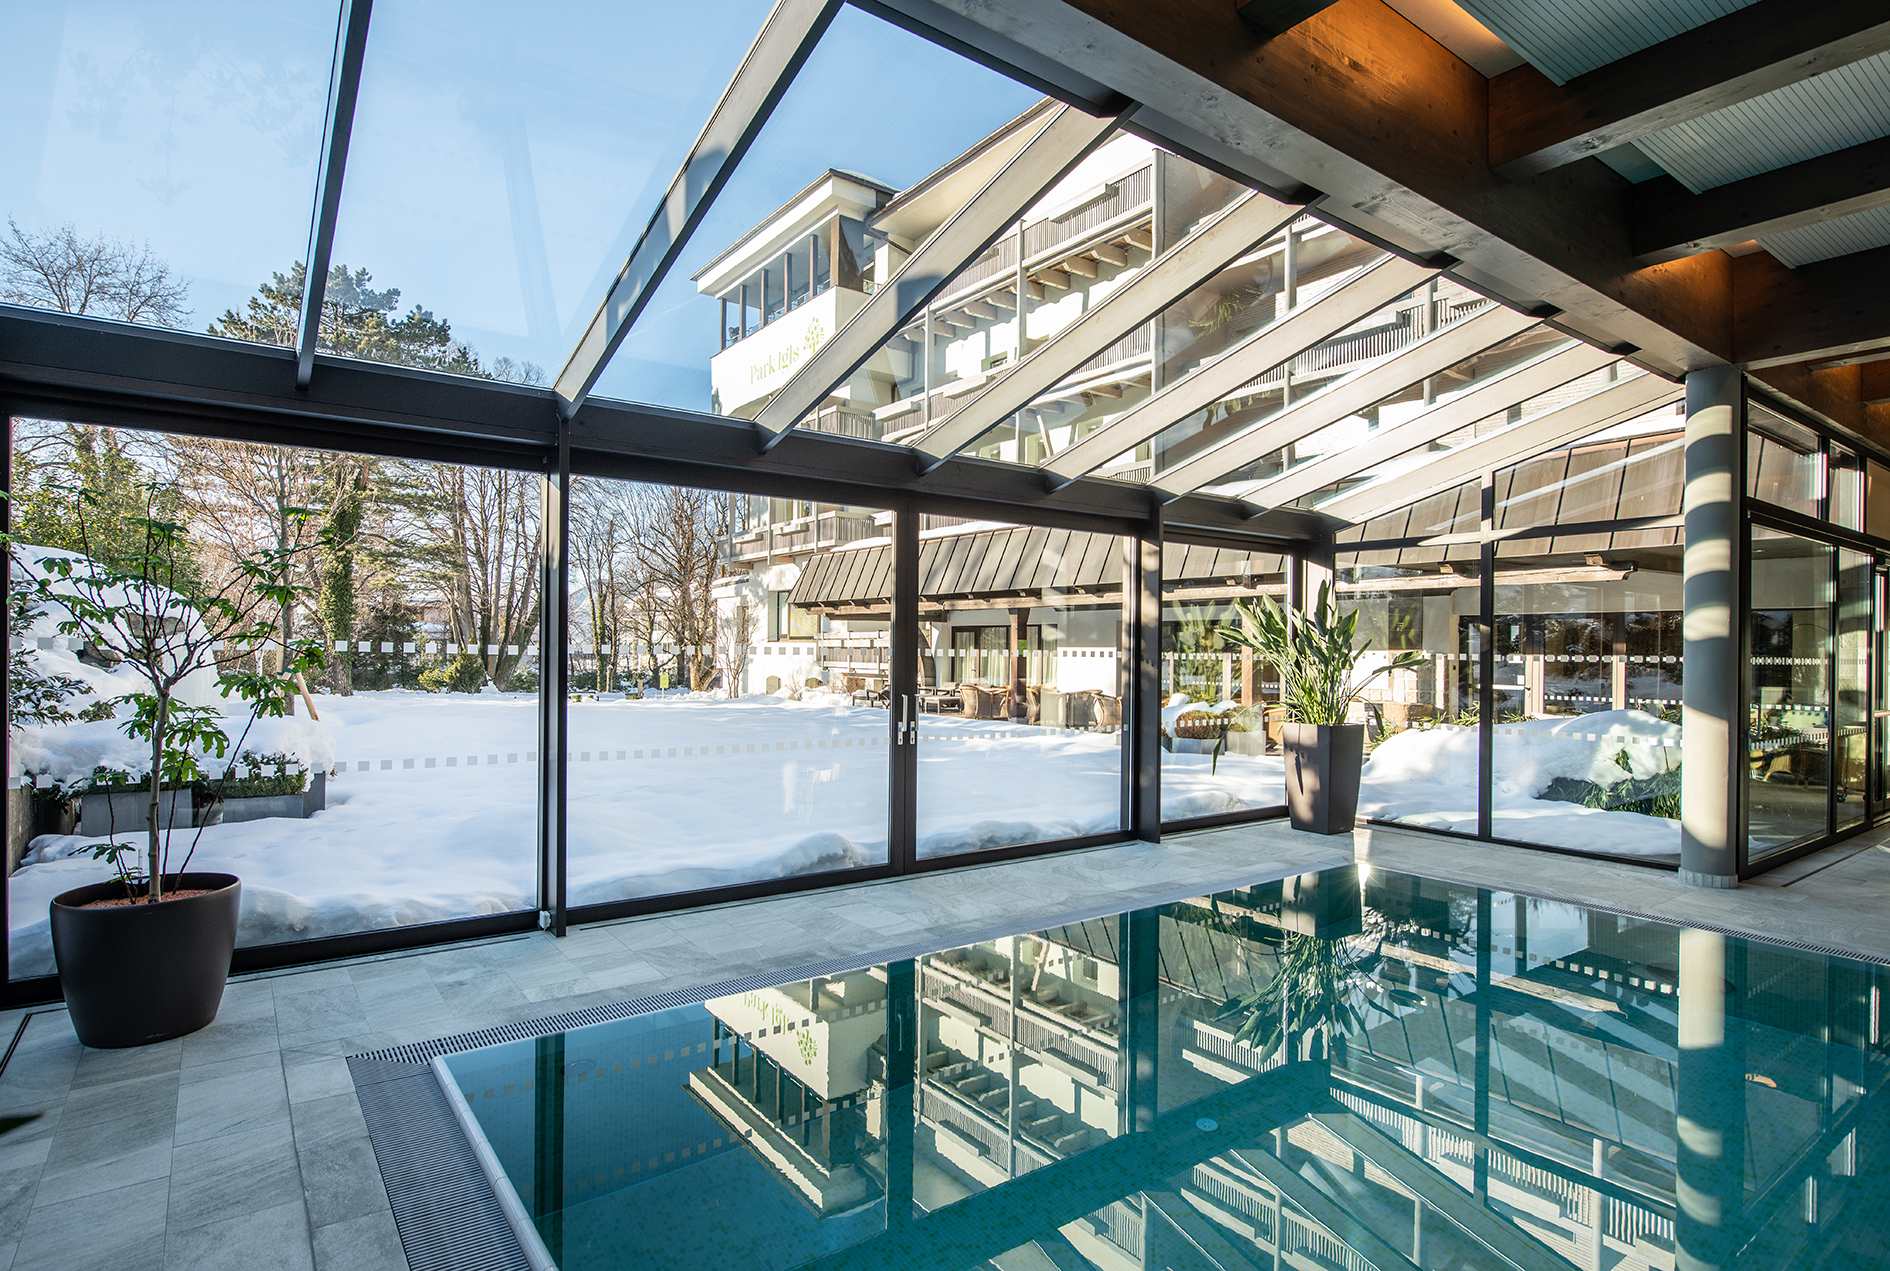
1712,713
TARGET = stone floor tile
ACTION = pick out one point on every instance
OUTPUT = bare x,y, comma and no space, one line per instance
340,1181
236,1066
132,1108
334,1010
328,1120
294,984
251,1102
119,1230
17,1186
245,1173
106,1067
319,1080
231,1039
367,1243
276,1238
109,1170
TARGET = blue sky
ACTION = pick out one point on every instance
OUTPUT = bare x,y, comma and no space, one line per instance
504,156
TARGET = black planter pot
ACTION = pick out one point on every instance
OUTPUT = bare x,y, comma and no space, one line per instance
1322,772
135,974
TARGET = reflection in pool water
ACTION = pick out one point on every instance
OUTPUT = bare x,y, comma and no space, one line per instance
1349,1069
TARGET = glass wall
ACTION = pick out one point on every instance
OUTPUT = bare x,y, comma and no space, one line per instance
728,719
1789,651
399,785
1220,730
1020,723
1420,723
1585,657
1815,653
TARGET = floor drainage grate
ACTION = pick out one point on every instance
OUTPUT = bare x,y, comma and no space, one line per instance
449,1220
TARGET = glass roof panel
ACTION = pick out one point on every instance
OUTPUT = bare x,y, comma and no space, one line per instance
810,220
1336,439
1226,315
1092,235
1414,468
179,139
1361,345
505,158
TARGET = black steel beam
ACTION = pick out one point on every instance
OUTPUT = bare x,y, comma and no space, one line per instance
89,370
790,33
554,721
1671,222
344,87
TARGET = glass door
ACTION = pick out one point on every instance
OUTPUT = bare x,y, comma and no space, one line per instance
1880,689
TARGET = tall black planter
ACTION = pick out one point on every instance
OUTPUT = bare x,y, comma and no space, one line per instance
1322,773
135,974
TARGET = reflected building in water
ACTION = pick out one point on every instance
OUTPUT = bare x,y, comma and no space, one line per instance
1327,1071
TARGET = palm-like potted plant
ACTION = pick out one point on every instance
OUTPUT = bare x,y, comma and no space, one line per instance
144,957
1316,654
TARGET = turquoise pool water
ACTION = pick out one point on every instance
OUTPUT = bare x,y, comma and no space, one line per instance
1335,1071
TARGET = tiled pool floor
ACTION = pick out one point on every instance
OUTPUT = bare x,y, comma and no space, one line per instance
243,1145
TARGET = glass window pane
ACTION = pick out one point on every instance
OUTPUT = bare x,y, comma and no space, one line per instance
1088,236
402,785
1288,272
1020,738
1587,735
1783,463
1856,577
180,139
1789,647
1847,487
1421,724
729,669
820,157
1877,509
1220,735
504,161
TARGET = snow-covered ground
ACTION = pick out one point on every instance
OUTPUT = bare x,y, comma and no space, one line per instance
1428,777
433,808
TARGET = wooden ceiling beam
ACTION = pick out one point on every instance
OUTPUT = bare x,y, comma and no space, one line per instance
1277,17
1670,221
1817,312
1537,125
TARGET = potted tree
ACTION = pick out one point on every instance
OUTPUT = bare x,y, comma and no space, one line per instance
144,957
1316,655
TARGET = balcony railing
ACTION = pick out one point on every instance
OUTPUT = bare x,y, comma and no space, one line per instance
1130,192
824,530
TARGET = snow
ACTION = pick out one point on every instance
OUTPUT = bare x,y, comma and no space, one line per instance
432,811
666,795
67,754
54,652
1428,777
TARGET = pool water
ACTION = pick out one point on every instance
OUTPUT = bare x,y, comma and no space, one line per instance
1344,1070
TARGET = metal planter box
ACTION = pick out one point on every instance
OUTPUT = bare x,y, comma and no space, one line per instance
123,811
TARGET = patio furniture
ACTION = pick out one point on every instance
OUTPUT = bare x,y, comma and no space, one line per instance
980,702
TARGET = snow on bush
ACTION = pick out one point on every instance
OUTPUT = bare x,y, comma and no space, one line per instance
67,754
1529,756
1429,777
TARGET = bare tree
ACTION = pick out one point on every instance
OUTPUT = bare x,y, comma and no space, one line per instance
602,548
58,269
678,536
241,494
473,535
